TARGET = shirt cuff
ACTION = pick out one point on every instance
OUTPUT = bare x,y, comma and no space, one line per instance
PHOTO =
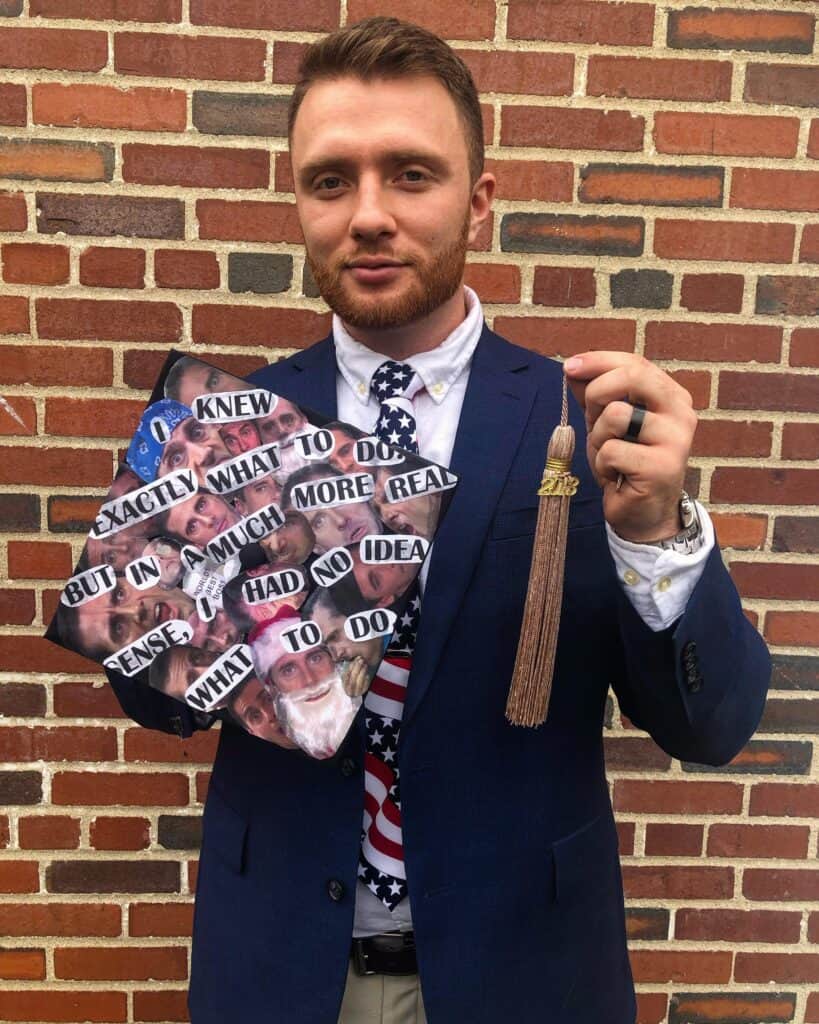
659,582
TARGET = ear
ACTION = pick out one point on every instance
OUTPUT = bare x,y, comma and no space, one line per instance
480,203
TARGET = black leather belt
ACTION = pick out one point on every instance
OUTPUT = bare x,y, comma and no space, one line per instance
392,953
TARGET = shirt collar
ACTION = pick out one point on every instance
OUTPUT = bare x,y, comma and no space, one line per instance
438,368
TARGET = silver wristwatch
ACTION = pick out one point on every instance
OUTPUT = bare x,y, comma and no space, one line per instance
690,538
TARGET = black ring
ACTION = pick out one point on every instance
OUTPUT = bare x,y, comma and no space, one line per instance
635,424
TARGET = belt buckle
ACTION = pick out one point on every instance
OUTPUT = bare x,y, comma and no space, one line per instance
360,959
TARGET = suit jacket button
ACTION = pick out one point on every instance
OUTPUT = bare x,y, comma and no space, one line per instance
335,890
348,767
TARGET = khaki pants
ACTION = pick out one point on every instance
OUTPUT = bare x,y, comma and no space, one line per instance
382,999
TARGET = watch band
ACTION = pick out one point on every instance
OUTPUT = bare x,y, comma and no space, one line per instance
690,539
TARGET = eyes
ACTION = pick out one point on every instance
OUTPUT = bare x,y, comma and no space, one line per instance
332,183
213,380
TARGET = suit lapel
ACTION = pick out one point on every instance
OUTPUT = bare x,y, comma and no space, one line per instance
312,379
496,408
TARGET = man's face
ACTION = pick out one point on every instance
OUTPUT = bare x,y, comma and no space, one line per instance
216,635
285,420
341,526
184,665
253,707
257,494
292,542
382,177
170,561
200,518
124,614
341,647
125,545
203,380
342,457
193,445
384,583
297,671
240,437
417,516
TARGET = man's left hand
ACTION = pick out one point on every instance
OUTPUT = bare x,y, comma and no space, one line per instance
607,384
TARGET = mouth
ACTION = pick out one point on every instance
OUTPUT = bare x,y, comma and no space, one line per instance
163,612
357,533
375,271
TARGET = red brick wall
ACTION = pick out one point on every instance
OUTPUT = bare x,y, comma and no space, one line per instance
658,175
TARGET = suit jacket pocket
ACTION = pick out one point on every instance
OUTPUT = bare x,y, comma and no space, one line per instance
224,831
509,523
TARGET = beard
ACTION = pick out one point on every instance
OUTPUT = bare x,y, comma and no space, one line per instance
317,726
434,282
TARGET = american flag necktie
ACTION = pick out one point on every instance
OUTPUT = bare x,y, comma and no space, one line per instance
381,862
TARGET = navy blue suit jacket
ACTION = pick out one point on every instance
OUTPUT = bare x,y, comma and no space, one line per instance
509,839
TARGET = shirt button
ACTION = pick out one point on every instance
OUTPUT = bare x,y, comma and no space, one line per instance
436,389
335,890
630,577
362,387
664,583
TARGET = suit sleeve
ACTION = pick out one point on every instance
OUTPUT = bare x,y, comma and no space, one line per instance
698,687
156,710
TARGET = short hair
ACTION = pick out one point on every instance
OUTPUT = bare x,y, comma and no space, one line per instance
173,380
67,625
312,471
382,47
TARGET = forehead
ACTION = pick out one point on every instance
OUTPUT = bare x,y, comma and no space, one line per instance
361,121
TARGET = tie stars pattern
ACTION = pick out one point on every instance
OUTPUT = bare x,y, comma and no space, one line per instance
396,424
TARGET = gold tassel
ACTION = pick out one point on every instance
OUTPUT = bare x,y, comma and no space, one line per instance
531,688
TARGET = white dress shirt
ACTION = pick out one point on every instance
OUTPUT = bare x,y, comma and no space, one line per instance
657,582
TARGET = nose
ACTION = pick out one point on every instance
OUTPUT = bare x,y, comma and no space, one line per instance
371,218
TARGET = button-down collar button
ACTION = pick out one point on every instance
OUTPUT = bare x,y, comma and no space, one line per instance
362,388
630,577
437,388
663,583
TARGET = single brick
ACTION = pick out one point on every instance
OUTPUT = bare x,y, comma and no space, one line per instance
697,383
176,268
260,272
108,10
659,78
128,789
494,282
728,342
800,441
677,882
161,1005
195,166
766,967
13,213
707,29
660,965
788,392
531,179
571,128
22,964
14,317
121,963
739,530
731,1008
565,336
131,216
791,85
787,296
49,160
49,832
633,753
113,876
793,629
30,263
758,841
65,743
19,514
109,320
569,233
785,800
39,560
237,113
641,289
287,57
647,923
677,797
86,700
248,221
754,188
536,74
103,106
274,15
13,104
794,672
21,787
787,716
733,241
564,286
52,918
22,700
158,747
809,249
54,49
733,438
665,839
650,185
160,919
579,21
797,533
72,513
755,486
29,1005
180,831
725,134
17,606
460,19
10,8
257,325
120,833
712,293
110,267
205,58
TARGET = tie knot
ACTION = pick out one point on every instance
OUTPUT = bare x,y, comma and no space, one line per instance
391,379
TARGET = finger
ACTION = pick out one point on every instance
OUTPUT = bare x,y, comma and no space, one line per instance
647,467
614,420
641,383
588,365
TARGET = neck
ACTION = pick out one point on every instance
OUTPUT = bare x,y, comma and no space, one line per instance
419,336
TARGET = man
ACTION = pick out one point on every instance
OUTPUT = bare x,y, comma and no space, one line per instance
416,516
381,583
199,519
122,546
241,436
292,542
257,494
188,378
504,843
323,609
283,420
251,704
